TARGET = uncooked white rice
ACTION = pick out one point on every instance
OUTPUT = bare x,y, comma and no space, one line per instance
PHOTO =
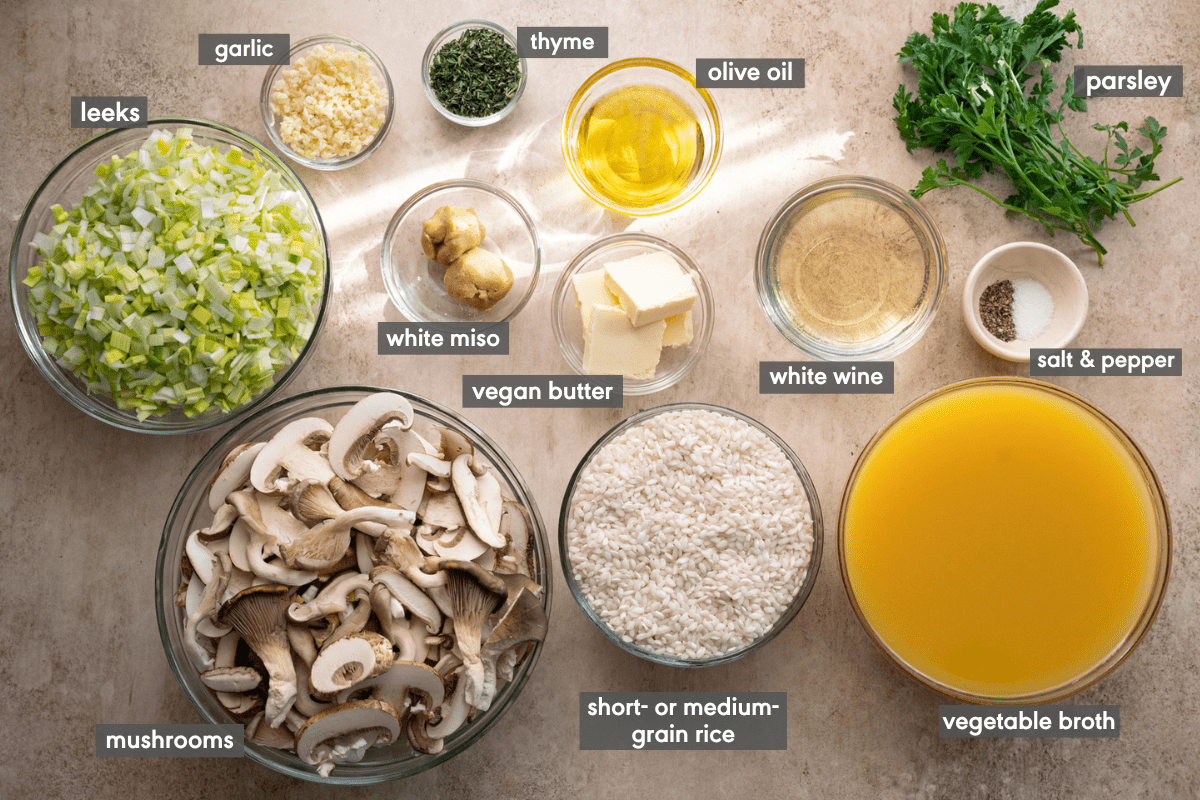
690,534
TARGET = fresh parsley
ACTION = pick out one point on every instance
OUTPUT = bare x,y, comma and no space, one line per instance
985,92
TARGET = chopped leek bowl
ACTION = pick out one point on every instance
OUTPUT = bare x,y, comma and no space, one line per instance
169,279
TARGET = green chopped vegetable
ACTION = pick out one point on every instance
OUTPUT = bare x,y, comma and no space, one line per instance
177,282
477,74
974,97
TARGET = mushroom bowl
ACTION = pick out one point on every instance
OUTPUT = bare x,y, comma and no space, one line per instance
357,575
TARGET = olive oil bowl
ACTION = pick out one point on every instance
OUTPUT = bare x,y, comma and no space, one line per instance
640,139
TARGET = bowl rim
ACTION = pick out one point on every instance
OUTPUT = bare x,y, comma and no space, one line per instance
973,319
632,387
391,281
879,191
56,376
326,164
435,45
1140,627
573,110
199,474
798,600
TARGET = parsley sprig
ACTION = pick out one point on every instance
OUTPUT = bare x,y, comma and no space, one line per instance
985,92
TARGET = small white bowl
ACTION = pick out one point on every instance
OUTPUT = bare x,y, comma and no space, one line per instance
1048,267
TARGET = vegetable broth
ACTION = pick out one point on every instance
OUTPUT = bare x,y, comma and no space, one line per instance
1000,540
640,146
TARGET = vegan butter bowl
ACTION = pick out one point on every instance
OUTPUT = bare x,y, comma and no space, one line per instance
192,510
1004,542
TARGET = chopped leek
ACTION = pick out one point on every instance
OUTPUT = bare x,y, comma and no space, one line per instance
138,292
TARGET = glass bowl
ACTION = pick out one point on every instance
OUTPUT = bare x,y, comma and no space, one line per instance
1002,541
453,32
191,510
676,362
304,48
65,186
851,268
659,76
415,282
802,590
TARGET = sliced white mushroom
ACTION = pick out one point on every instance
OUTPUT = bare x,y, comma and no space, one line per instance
347,661
462,545
200,557
305,703
437,467
391,685
291,451
206,608
325,544
372,719
357,428
410,479
234,473
239,541
454,712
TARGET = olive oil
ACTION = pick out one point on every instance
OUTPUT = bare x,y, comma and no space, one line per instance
640,146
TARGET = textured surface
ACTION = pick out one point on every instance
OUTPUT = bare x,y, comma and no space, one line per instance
83,504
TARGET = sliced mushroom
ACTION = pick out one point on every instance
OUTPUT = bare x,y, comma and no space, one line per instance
260,541
370,720
410,596
409,479
208,605
474,594
466,486
291,450
325,544
234,473
349,660
259,615
454,712
421,741
357,428
394,626
231,679
335,598
431,465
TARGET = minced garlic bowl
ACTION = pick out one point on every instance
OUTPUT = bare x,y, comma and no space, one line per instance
331,106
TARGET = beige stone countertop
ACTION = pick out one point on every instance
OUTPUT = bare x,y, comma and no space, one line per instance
83,504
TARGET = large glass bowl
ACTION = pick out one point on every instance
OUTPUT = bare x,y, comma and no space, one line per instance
65,186
661,75
190,511
803,588
675,362
988,536
301,49
851,268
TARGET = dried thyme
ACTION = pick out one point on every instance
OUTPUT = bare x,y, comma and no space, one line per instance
476,75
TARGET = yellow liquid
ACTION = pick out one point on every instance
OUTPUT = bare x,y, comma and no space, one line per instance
1000,540
639,146
851,270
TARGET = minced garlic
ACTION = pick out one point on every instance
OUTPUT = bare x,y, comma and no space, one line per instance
329,104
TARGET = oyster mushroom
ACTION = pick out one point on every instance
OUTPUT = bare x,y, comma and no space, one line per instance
260,541
519,620
474,594
312,502
325,544
398,549
259,615
335,598
339,733
409,596
357,428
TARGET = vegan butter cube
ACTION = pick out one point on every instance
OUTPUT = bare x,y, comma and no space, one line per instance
614,347
651,287
679,330
589,293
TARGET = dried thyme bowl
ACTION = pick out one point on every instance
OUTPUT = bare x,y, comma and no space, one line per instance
125,306
458,89
193,511
372,103
690,535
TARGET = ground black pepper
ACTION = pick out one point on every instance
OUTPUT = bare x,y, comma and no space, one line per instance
995,310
